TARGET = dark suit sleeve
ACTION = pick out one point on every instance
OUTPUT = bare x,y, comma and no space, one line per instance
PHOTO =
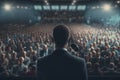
40,74
85,74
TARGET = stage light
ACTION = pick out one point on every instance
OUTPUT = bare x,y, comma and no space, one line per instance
7,7
107,7
93,7
26,7
45,1
73,4
118,2
74,1
18,6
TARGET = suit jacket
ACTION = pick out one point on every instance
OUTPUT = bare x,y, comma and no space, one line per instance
60,65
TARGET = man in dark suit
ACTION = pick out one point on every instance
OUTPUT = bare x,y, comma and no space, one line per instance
61,65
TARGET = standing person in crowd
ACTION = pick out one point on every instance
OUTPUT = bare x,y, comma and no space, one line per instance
4,62
44,51
26,58
20,68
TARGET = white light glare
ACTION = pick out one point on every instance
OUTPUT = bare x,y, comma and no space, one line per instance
18,6
7,7
46,2
118,2
107,7
74,1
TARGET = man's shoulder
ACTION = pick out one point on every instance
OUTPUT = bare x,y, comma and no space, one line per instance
73,57
44,58
77,59
66,54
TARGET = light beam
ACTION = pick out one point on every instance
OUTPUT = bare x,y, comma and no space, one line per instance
7,7
107,7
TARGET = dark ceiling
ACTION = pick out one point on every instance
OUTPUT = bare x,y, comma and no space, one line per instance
59,1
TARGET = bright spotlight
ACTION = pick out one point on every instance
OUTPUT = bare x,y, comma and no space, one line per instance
7,7
107,7
26,7
118,2
18,6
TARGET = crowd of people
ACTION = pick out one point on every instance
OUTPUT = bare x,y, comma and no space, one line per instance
62,16
100,47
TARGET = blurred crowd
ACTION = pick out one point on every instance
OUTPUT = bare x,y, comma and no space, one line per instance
62,16
100,47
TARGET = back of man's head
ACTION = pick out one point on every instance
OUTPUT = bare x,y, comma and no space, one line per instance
61,35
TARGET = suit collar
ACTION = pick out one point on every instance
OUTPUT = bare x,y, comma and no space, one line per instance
60,51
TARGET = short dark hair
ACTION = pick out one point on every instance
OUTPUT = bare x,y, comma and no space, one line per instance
61,35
